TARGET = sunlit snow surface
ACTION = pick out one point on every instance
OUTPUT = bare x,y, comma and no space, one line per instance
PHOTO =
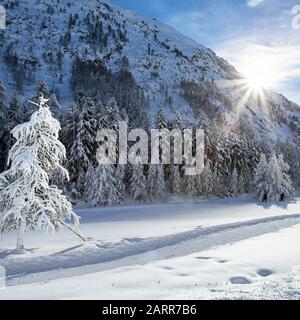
218,249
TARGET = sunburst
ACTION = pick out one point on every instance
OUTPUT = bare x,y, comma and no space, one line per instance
262,69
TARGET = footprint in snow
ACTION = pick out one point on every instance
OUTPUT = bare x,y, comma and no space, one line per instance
166,268
239,280
222,261
264,272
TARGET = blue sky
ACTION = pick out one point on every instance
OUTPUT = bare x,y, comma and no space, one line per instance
237,30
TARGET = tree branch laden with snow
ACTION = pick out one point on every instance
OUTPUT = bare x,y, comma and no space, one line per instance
28,201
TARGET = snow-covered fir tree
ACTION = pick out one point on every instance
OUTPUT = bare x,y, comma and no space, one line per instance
151,181
42,89
138,182
217,185
69,129
160,119
27,200
176,180
272,181
3,134
83,149
14,116
279,185
160,182
54,105
189,185
109,115
233,183
176,124
241,184
120,183
105,189
292,157
199,187
207,181
161,123
89,192
260,178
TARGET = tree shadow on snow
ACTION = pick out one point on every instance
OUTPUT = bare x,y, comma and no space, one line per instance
283,205
6,253
67,250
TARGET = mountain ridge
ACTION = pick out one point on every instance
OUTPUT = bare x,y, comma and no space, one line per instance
44,38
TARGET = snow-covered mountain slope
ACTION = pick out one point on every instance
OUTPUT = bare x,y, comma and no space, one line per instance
96,48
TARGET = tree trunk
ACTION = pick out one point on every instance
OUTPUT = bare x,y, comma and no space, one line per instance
21,236
75,231
6,164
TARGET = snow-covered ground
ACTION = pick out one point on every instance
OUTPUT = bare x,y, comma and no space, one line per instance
231,248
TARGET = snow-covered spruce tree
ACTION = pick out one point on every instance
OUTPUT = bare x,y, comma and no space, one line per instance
42,89
160,119
260,178
160,182
89,192
27,200
175,176
176,180
108,115
138,183
198,184
292,157
218,187
105,188
120,184
241,184
189,185
233,183
176,124
69,126
14,116
248,178
278,180
3,115
160,124
287,184
207,181
151,181
54,105
83,148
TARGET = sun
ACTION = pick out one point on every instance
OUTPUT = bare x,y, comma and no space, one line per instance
261,70
257,77
259,73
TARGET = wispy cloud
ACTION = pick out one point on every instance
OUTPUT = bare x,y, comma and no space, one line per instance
236,29
254,3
